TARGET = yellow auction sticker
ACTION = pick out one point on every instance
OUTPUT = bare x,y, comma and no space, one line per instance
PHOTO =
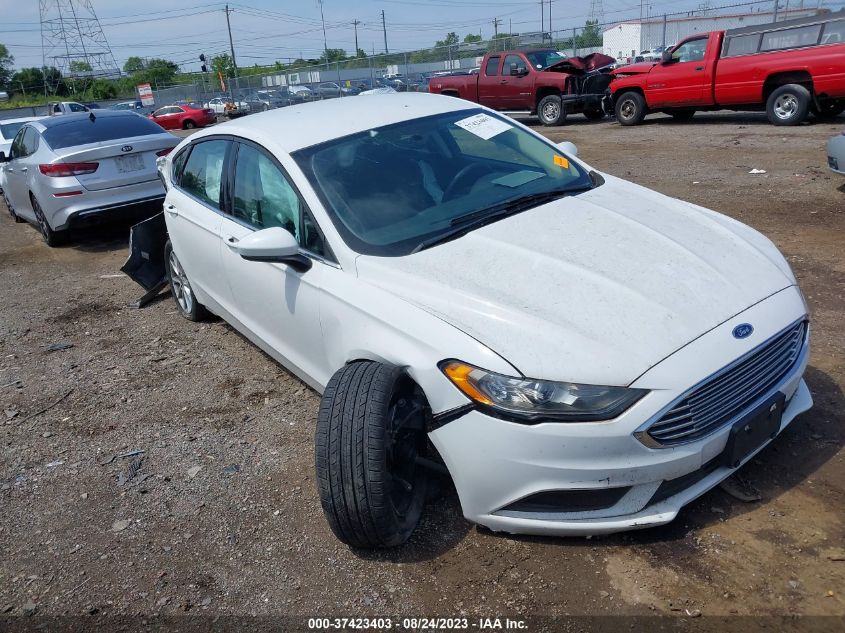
560,161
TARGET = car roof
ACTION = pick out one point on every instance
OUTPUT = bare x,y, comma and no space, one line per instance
299,126
25,119
48,122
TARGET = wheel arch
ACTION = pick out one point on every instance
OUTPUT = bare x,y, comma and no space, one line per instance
785,77
618,94
544,92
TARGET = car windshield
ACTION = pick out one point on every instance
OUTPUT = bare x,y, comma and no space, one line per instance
544,59
8,130
393,190
83,131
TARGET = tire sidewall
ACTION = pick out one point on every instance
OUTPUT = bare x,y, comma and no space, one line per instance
635,100
553,120
804,101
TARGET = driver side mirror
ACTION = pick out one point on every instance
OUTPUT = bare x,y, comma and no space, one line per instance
516,71
273,245
568,147
666,57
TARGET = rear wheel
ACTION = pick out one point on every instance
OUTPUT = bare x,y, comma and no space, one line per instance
830,110
189,125
51,238
630,108
370,432
180,287
788,105
551,110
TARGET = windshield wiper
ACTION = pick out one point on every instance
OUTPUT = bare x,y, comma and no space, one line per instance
482,217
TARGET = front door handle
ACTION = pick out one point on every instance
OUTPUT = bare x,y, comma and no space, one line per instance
171,209
24,169
504,81
699,67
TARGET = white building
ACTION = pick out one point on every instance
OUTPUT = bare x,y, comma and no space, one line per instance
628,39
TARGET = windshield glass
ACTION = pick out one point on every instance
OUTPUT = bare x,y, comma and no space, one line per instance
544,59
390,189
8,130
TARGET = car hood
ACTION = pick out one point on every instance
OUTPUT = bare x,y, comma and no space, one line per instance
594,288
640,68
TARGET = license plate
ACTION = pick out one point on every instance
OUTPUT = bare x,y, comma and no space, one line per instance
754,430
133,162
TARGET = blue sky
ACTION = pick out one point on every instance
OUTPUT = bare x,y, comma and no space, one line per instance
266,30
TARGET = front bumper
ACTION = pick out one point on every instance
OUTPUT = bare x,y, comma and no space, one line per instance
496,464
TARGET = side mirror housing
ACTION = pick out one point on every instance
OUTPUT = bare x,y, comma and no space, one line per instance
514,70
568,147
666,57
273,245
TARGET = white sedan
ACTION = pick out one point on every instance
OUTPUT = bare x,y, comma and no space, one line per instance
579,354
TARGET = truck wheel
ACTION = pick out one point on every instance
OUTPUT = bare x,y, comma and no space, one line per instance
370,431
180,287
594,115
682,115
788,105
551,110
630,108
830,110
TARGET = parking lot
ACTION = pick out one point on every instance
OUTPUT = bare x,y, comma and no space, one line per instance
220,515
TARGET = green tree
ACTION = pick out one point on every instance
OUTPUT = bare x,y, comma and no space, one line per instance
590,36
223,64
103,89
6,61
469,38
134,64
332,55
361,53
450,40
78,66
160,70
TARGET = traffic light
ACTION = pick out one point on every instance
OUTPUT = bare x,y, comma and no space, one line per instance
204,66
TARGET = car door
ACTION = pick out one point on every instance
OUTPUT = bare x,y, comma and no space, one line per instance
515,90
17,171
683,80
276,305
490,82
193,213
168,117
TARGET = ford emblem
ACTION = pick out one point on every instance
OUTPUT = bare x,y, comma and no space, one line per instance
743,330
126,148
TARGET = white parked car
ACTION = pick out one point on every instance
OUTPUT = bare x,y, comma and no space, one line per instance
580,354
223,106
73,170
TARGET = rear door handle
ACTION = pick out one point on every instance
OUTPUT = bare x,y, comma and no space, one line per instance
171,209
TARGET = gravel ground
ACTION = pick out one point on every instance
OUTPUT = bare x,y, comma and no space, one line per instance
219,515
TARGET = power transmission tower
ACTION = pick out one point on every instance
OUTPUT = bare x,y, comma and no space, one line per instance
355,24
73,41
597,11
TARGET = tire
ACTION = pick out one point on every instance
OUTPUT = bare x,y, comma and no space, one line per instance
594,115
829,110
180,288
551,110
682,115
189,125
371,488
788,105
11,209
630,108
51,238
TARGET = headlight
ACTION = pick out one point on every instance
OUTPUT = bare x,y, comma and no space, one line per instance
530,400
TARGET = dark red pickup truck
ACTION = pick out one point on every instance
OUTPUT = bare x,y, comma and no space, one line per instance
790,68
542,82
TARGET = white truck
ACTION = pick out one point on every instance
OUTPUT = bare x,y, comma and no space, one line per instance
56,108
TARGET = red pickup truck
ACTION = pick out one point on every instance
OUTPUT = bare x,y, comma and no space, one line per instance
541,82
790,68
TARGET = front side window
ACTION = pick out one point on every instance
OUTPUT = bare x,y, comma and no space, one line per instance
514,61
692,51
29,144
203,173
391,190
791,38
17,144
77,107
492,67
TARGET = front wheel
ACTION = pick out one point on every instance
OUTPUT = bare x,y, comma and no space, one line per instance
189,125
370,434
551,110
788,105
180,287
630,108
51,238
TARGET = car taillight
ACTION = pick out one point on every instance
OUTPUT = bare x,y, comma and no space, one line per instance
59,170
164,152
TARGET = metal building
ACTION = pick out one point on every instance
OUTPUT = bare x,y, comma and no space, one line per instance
627,39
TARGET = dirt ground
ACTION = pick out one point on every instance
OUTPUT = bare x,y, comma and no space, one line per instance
220,516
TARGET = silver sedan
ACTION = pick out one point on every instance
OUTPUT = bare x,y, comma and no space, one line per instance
836,153
69,171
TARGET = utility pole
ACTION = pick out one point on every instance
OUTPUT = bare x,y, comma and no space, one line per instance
551,36
776,11
542,19
325,41
355,23
384,28
231,47
495,27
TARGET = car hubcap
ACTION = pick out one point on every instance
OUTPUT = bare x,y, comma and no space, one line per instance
786,106
181,287
405,441
627,109
551,111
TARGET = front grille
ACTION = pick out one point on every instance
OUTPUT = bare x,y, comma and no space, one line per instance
719,399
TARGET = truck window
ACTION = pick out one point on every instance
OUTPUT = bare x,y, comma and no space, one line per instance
791,38
834,32
691,51
492,67
743,45
514,60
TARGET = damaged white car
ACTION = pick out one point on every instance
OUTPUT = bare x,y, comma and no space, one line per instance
579,354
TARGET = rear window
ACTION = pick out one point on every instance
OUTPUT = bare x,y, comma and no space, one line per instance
83,131
791,38
834,32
